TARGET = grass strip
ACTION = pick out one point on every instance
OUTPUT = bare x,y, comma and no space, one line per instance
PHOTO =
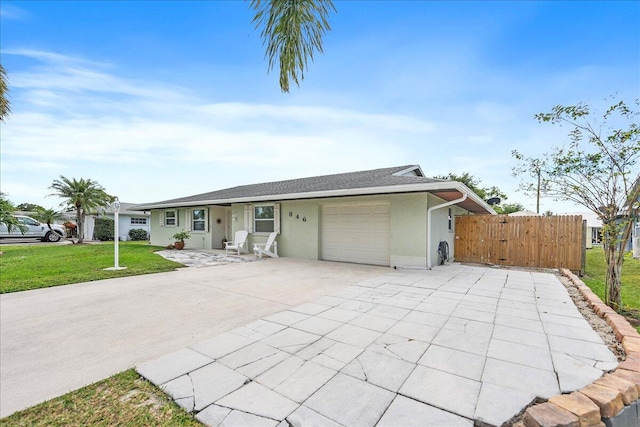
33,266
595,275
125,399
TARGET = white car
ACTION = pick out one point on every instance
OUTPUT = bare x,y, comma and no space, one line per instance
33,229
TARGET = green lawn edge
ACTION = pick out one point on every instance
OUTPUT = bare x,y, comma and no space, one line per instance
27,267
124,399
595,276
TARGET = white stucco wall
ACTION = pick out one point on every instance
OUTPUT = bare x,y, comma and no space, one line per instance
124,225
408,229
302,239
298,238
440,227
217,223
161,234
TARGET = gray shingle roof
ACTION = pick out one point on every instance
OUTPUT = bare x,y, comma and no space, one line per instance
124,209
343,181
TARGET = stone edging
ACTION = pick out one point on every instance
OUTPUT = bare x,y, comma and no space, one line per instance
597,403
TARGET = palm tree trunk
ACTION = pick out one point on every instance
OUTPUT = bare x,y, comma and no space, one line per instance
80,219
613,282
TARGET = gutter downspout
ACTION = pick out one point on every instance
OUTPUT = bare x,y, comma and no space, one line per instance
442,205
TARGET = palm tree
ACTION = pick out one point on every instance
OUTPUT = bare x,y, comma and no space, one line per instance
6,215
4,94
48,216
84,195
292,31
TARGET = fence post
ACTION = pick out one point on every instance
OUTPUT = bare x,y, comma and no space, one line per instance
583,261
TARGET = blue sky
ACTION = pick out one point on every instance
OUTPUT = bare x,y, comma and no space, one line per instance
156,100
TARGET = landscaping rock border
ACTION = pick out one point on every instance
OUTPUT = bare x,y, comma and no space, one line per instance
599,324
613,400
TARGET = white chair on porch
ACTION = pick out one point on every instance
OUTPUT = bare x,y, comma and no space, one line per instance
270,248
238,243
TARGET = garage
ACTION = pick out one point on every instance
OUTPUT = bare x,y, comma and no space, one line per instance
356,232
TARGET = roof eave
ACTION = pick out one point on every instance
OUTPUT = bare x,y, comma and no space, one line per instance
410,169
390,189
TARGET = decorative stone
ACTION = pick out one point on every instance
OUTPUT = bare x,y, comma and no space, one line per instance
602,309
631,344
630,376
588,413
614,319
624,329
589,295
631,363
626,388
608,400
549,415
629,417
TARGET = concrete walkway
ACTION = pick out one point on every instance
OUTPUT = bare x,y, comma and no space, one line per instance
205,258
414,348
59,339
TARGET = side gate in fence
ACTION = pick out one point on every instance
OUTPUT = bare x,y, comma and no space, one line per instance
523,241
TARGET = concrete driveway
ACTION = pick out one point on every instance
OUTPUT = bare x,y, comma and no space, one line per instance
59,339
454,346
30,241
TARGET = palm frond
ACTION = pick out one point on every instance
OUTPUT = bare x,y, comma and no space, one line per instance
5,108
292,32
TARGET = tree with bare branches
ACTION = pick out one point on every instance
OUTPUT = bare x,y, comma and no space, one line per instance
597,169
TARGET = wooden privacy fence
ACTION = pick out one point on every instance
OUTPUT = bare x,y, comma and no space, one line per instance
523,241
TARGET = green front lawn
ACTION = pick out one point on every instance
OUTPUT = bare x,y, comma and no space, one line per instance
32,267
595,273
125,399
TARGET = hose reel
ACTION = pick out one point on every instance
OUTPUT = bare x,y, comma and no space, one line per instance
443,252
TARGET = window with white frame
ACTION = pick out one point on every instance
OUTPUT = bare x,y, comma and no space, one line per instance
263,219
140,221
450,219
199,220
170,218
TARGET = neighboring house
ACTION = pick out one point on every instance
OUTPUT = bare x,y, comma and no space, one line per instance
633,245
127,220
594,228
392,217
635,240
594,232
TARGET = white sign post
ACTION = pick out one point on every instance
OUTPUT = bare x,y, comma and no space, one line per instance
116,240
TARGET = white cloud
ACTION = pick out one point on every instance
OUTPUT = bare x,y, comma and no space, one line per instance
80,119
14,13
148,141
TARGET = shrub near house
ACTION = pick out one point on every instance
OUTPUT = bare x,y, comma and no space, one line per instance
104,229
138,234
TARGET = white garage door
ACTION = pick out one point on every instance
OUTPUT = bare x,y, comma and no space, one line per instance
358,232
